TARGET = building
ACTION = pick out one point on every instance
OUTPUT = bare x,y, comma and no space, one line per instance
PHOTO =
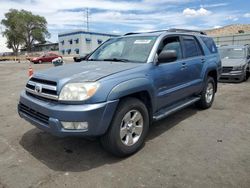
81,42
43,47
233,39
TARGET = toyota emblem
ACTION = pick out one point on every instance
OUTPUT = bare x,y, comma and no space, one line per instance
38,88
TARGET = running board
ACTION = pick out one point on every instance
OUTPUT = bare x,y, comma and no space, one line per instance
174,108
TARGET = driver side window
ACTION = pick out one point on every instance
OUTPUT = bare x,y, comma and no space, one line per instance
171,43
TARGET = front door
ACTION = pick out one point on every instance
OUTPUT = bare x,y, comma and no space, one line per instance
170,78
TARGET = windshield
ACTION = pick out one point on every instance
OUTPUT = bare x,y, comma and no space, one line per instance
232,53
131,49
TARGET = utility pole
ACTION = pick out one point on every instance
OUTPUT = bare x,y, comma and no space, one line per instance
86,15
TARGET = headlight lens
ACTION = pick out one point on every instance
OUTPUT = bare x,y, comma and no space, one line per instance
78,91
238,68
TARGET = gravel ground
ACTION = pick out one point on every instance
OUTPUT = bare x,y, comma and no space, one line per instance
191,148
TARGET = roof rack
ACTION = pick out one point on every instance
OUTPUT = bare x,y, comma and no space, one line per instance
171,30
186,31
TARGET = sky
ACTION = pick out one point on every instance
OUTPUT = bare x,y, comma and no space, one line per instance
120,16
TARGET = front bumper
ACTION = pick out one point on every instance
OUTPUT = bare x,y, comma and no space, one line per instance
237,76
48,116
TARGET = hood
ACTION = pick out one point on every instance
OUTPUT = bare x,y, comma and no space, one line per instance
85,71
233,62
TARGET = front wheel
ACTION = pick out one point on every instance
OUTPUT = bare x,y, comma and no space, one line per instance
128,129
207,95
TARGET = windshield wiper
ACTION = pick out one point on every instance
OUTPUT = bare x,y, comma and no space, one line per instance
93,60
116,60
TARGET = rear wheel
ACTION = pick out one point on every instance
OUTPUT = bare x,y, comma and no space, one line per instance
207,95
128,129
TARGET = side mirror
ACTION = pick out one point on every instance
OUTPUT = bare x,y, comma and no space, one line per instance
167,56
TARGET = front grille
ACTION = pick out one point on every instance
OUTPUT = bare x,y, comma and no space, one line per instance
42,88
43,81
227,69
34,114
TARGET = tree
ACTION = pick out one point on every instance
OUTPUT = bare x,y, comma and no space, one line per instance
34,27
24,29
13,31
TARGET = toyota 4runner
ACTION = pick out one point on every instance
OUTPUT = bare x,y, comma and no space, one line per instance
123,86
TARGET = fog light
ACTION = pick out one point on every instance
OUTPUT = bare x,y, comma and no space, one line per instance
75,125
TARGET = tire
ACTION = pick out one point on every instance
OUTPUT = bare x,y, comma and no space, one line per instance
245,76
207,97
120,139
40,61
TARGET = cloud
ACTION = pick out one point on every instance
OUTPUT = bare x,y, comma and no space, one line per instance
124,16
247,15
217,27
3,47
194,13
232,18
214,5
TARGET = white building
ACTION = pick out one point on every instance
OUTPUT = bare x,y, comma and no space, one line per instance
81,42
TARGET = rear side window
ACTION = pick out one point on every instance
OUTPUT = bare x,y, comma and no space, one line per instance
191,47
210,44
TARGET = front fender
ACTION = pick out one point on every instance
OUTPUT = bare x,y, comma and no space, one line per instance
130,87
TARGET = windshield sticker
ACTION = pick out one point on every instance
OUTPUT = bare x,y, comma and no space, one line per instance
142,41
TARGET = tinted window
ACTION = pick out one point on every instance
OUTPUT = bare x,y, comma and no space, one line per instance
172,43
209,42
191,46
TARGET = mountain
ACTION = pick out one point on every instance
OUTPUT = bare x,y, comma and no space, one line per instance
229,29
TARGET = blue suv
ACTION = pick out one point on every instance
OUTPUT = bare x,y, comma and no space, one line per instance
123,86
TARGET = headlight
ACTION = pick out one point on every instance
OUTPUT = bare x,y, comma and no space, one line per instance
78,91
238,68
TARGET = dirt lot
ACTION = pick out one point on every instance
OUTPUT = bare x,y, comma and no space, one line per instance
191,148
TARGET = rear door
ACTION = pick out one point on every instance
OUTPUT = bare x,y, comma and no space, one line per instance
194,59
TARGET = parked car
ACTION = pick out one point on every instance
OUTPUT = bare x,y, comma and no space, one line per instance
47,57
124,85
235,63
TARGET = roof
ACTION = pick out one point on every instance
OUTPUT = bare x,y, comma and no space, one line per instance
85,32
48,43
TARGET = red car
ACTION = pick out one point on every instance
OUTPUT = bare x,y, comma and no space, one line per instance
48,57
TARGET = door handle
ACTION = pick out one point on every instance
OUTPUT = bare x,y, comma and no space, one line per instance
183,66
203,60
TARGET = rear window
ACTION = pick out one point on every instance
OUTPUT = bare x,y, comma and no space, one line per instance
192,48
210,44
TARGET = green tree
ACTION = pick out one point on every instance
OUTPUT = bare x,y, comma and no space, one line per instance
24,29
34,27
13,31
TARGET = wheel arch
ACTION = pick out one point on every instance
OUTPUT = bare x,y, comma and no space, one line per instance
136,88
213,73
